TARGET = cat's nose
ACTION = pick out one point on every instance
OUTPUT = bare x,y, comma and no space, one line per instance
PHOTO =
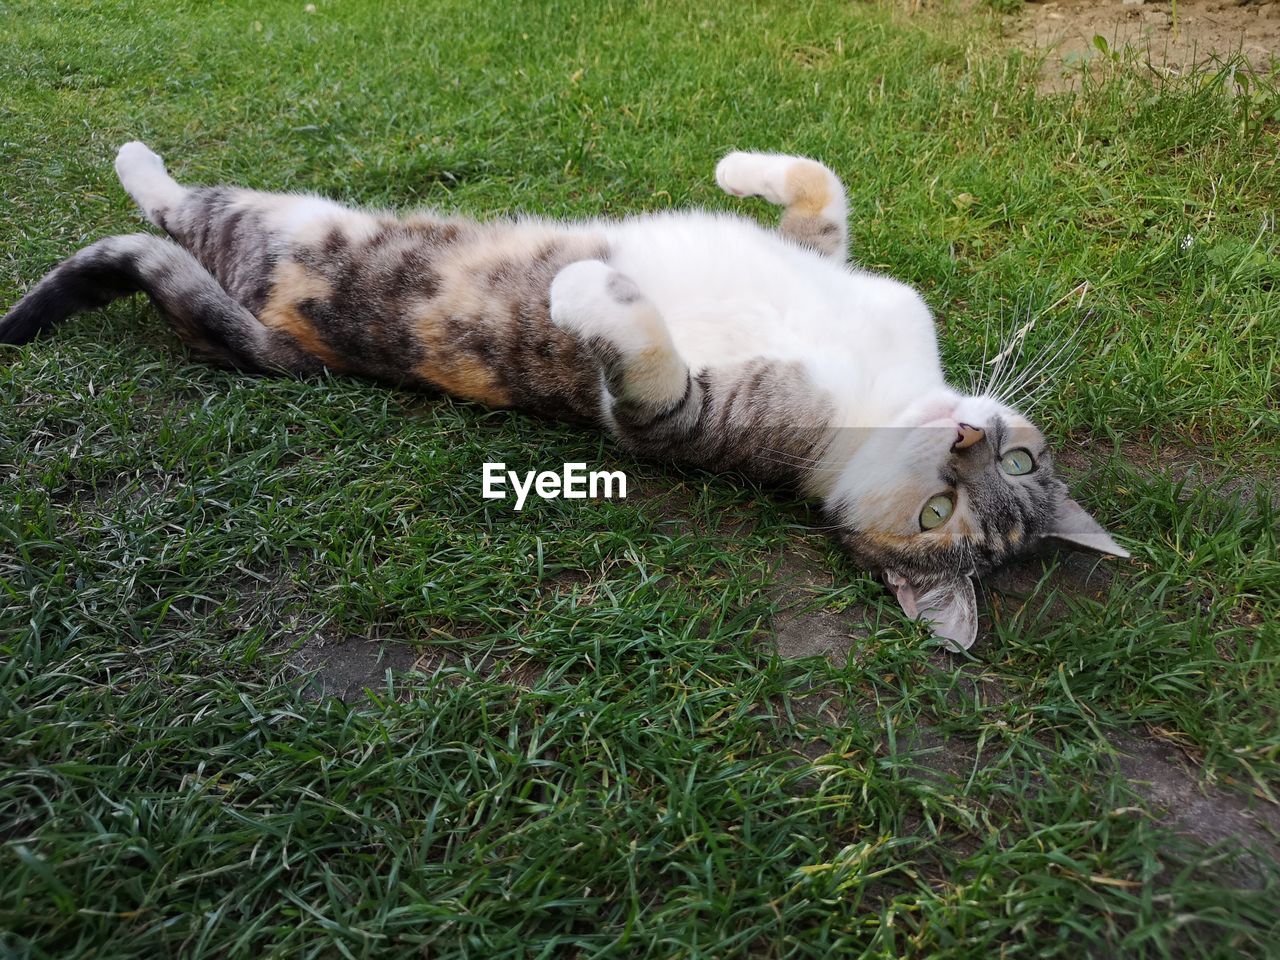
966,436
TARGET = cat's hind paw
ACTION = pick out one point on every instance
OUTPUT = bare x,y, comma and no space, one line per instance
143,176
794,182
815,215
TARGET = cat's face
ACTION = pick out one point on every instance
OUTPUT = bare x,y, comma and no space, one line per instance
953,489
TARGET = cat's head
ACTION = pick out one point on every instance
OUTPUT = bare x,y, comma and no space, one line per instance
954,488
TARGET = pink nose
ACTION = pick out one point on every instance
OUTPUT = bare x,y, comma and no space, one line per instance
966,437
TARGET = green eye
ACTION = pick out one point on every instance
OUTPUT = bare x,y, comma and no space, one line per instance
1017,462
937,511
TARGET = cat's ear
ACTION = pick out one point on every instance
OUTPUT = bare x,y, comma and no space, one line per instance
1074,525
950,607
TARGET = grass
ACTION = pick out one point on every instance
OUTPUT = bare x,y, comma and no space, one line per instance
608,759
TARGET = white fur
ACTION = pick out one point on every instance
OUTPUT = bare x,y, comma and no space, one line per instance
299,215
764,175
142,174
729,290
582,303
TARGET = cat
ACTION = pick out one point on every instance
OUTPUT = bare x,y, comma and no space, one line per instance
692,336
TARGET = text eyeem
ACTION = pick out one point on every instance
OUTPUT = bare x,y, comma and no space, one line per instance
573,482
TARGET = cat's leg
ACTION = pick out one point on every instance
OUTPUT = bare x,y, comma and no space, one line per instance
206,317
816,213
648,386
143,176
235,234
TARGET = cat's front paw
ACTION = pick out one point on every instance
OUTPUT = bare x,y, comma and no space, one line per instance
742,174
591,299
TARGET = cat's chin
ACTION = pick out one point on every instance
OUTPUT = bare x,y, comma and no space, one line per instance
946,408
938,408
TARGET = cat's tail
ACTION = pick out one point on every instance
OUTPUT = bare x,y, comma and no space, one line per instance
204,314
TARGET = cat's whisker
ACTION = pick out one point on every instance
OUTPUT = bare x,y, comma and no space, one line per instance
822,527
1062,356
1001,364
1054,365
988,374
977,378
807,468
1040,374
798,458
1016,341
1010,359
1048,362
798,464
980,380
1009,364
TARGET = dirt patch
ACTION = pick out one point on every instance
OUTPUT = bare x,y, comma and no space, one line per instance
1168,788
1200,32
802,628
1071,572
1155,772
350,668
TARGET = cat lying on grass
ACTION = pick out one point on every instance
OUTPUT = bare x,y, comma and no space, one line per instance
693,336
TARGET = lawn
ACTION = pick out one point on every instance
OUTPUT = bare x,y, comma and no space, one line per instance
592,743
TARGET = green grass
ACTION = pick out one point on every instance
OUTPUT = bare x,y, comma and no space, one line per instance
668,787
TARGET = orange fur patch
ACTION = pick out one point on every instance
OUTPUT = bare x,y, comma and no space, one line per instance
898,507
293,284
463,377
446,368
463,293
810,187
656,374
903,506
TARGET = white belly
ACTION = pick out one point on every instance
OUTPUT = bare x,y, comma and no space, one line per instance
730,291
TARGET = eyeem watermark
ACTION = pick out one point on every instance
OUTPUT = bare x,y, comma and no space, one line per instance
572,483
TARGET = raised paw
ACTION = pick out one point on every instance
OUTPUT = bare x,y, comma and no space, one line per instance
742,174
143,176
592,299
815,214
787,181
138,163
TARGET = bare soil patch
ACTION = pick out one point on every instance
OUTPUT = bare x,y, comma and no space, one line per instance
803,628
1169,785
351,667
1173,41
348,667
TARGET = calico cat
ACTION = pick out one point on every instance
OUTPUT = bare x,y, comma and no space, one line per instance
693,336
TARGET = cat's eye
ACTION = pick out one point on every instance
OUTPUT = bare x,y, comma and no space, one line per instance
1017,462
937,511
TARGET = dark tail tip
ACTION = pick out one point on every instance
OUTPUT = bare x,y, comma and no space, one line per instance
34,313
92,278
